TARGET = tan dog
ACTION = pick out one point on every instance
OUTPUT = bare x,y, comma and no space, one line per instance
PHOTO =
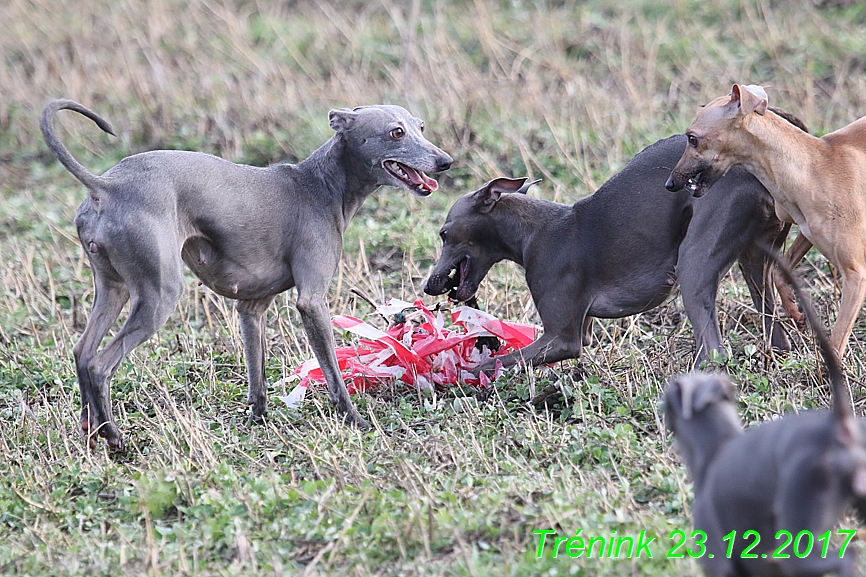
818,183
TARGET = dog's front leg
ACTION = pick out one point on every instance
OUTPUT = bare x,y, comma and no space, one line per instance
715,561
252,316
549,348
315,314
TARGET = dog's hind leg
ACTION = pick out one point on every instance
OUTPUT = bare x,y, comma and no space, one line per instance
712,244
758,273
793,256
111,296
587,332
146,316
252,317
853,292
151,266
807,503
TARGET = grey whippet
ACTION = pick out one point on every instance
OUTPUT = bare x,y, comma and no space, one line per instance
792,476
248,233
615,253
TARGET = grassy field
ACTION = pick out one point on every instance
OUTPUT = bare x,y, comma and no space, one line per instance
446,482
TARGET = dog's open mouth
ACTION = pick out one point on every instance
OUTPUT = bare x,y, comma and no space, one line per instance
415,180
460,289
696,185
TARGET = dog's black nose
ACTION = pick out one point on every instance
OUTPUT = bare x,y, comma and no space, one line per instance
443,163
671,185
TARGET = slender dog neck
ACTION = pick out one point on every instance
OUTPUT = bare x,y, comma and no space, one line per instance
332,171
780,156
518,220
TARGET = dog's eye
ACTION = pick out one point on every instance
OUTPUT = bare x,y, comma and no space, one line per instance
422,127
397,132
443,234
693,141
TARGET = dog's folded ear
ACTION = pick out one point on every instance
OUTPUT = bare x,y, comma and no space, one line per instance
750,98
718,388
690,394
341,118
487,195
677,400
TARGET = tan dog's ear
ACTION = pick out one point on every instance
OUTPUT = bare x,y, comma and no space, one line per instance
750,98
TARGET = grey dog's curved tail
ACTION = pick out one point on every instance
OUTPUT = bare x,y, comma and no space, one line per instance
46,123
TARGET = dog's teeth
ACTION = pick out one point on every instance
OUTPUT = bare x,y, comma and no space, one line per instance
398,169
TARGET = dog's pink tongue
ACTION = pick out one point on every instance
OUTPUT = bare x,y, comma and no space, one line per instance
418,177
429,183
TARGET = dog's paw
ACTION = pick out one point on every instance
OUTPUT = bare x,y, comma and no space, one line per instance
353,418
258,409
256,419
549,393
487,367
363,424
116,445
91,431
112,436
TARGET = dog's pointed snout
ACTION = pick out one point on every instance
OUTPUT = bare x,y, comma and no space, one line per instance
671,185
443,163
429,289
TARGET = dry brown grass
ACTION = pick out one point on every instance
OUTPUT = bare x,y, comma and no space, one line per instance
582,86
444,484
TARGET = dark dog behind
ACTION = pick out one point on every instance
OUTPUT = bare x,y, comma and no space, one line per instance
796,474
615,253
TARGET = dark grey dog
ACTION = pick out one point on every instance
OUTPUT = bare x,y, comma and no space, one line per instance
615,253
248,233
796,474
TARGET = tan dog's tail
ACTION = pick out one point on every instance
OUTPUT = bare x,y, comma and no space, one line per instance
842,409
66,159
